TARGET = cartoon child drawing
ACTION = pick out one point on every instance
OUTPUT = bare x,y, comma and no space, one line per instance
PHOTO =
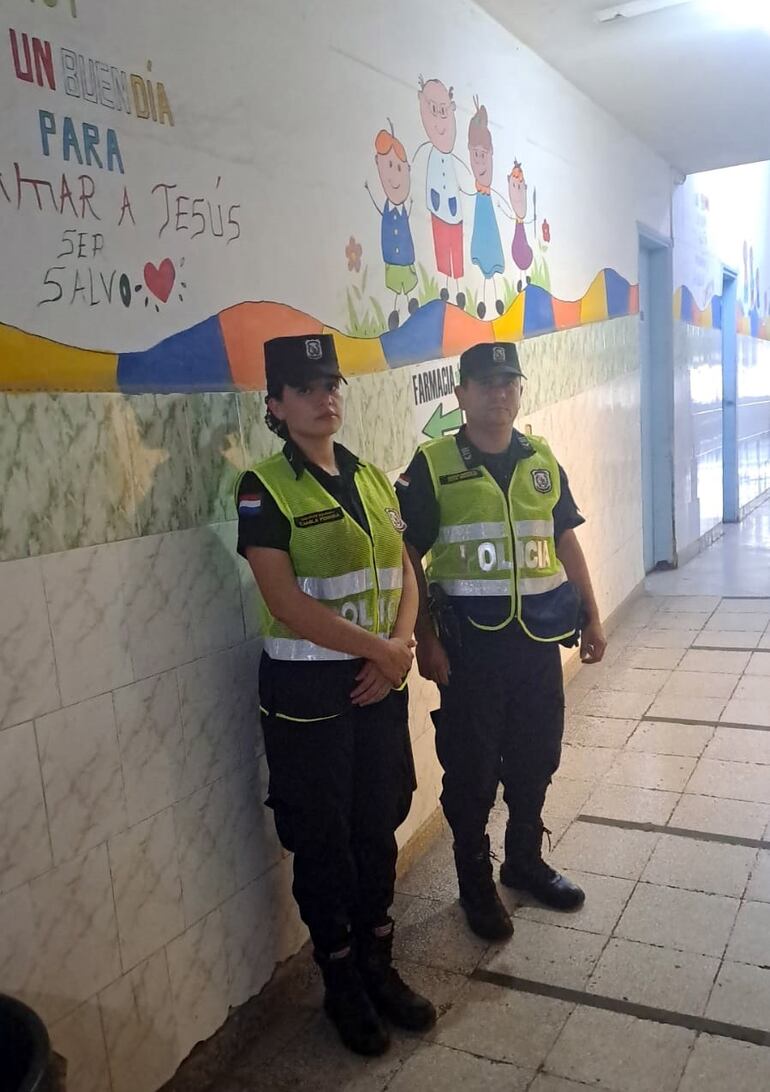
521,251
437,111
486,247
396,234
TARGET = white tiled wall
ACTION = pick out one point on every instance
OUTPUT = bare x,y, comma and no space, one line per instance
142,888
697,432
596,437
143,891
753,418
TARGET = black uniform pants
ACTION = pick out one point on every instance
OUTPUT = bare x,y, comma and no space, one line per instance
501,719
339,789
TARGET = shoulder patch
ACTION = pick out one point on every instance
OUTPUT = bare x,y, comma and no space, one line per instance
541,479
249,504
396,519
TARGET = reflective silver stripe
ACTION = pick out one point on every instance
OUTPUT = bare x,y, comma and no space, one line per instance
476,587
290,648
528,585
533,528
470,532
390,579
293,648
336,587
536,585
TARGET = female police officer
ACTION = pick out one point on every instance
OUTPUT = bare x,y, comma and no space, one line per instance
322,533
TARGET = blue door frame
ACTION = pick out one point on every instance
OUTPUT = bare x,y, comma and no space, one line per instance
731,505
656,325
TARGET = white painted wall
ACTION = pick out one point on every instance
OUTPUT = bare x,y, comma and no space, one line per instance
723,218
282,102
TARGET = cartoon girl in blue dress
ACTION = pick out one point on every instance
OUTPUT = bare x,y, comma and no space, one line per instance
486,247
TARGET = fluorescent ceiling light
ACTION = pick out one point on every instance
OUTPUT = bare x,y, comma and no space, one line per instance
740,13
632,8
736,13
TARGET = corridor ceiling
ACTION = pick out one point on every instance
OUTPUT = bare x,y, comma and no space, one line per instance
692,82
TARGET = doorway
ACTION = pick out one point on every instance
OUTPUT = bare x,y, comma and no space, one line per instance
657,398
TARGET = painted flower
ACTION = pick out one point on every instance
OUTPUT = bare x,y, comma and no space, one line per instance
353,252
546,232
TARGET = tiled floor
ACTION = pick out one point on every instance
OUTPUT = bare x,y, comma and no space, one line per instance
738,565
661,809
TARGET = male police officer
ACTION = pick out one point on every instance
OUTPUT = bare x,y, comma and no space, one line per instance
507,582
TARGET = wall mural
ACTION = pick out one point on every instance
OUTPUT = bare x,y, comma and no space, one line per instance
699,269
752,307
486,277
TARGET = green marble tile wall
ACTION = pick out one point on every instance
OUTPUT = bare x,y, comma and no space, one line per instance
562,365
83,469
66,474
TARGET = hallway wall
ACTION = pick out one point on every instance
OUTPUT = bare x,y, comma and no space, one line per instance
753,418
697,432
720,218
142,891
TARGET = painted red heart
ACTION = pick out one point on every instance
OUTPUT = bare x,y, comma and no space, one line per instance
160,280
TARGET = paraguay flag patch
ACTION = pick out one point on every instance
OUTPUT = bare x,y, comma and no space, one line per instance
250,504
403,481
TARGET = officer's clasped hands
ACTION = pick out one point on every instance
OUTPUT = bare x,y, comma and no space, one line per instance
372,686
395,658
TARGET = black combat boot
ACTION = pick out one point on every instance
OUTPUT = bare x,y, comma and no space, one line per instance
349,1007
525,869
391,996
486,914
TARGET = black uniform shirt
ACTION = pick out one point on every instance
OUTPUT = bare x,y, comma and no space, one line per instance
420,510
302,690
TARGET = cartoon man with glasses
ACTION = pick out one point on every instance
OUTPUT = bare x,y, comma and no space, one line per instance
437,111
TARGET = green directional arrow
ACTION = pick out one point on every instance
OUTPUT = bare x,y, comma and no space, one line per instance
441,422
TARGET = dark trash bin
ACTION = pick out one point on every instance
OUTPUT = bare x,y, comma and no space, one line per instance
25,1049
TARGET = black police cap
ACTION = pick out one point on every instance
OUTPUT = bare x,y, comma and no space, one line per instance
296,360
490,358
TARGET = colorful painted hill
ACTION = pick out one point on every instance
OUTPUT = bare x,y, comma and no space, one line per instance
686,309
226,352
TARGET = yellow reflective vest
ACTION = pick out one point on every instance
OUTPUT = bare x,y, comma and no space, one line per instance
355,574
490,544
